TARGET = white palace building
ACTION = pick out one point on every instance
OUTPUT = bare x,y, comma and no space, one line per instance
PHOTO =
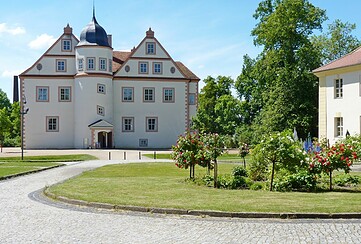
82,94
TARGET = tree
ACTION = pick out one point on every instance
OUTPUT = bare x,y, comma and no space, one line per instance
190,151
5,125
4,100
279,89
336,42
279,149
218,110
338,157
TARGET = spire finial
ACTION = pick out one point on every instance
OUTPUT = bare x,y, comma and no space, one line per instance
93,10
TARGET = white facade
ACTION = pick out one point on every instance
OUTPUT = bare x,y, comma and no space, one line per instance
340,97
82,93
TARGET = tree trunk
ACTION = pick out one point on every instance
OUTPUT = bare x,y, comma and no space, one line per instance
193,166
209,168
331,180
272,176
244,162
190,172
215,173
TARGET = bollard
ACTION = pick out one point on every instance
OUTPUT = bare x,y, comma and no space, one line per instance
155,155
109,156
125,156
140,155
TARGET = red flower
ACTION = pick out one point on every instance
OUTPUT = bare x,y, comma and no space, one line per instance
342,157
312,165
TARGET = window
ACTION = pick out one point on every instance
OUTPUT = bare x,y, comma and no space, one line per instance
143,142
148,94
90,63
143,67
66,45
152,124
150,48
100,110
127,94
80,64
338,126
168,95
42,94
128,124
157,68
102,64
110,65
60,65
101,88
338,88
65,94
52,123
192,99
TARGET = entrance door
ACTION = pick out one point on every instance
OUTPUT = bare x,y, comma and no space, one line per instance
102,140
110,139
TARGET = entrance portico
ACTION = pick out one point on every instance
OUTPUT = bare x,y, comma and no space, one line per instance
101,134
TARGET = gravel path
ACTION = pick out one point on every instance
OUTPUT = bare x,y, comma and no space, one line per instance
25,220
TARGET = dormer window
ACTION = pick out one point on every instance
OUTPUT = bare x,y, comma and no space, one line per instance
150,48
66,45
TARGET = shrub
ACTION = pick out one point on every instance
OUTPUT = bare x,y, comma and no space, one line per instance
301,181
346,180
258,186
239,171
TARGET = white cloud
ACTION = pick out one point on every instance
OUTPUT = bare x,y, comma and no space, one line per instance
42,41
11,30
11,73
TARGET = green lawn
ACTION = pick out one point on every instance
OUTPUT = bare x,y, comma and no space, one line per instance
163,185
225,157
13,165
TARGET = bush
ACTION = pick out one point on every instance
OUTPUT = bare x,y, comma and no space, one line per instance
228,181
301,181
239,171
258,186
346,180
258,170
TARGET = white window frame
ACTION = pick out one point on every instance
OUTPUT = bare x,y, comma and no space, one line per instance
42,94
127,124
168,98
125,96
101,88
338,126
66,45
63,96
103,64
150,126
143,142
150,48
157,68
338,88
61,65
80,64
90,63
52,123
100,110
143,67
192,99
148,98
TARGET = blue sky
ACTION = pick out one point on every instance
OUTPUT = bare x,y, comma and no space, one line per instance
209,36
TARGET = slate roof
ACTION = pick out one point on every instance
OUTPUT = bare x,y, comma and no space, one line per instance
351,59
93,34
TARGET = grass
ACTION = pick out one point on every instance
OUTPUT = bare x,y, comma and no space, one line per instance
50,158
225,157
14,165
163,185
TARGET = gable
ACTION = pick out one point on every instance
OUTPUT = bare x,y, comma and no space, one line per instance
46,64
153,55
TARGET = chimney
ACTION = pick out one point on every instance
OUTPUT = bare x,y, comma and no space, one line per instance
110,40
16,89
150,33
68,30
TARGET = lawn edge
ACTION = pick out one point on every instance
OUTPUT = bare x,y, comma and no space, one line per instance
7,177
201,213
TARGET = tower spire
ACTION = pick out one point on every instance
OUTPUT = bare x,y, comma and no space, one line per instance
93,10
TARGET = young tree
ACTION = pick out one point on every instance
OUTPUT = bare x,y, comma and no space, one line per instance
5,125
190,151
279,149
4,100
